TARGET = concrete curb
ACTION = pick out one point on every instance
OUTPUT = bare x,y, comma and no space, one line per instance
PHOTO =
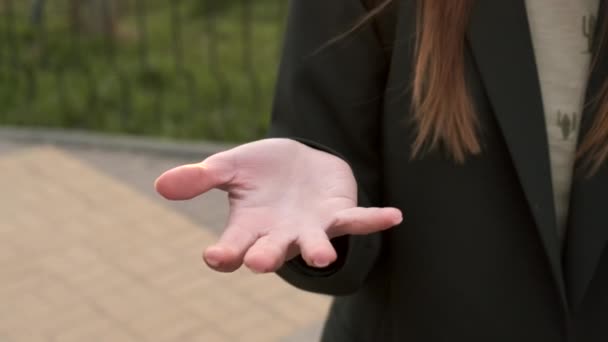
93,140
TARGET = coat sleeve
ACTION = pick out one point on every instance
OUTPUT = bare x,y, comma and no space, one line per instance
331,99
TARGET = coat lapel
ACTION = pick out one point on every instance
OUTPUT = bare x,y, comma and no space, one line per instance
588,221
502,48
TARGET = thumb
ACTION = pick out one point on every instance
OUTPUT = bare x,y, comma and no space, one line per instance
361,221
188,181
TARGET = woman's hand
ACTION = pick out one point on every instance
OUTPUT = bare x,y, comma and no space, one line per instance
285,198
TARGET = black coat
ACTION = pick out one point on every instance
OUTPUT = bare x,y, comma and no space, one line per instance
477,257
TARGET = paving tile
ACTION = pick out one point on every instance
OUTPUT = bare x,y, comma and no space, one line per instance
206,335
86,257
269,332
307,334
87,330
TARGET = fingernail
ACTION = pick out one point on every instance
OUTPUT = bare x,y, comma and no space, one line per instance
320,264
258,270
213,262
399,220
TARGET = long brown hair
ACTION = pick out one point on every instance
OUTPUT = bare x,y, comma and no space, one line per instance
442,109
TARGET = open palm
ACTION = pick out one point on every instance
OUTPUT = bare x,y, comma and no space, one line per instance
285,198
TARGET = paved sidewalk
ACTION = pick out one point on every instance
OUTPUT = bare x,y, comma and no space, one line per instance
89,253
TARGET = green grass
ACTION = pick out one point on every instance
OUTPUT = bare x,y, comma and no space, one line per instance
67,80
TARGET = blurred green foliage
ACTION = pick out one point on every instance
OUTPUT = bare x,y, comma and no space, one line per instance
217,84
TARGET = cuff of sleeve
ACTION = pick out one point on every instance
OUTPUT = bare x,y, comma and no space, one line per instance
356,257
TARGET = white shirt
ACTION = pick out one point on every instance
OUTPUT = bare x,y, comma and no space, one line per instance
562,32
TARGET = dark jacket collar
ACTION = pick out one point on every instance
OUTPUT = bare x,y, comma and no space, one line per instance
587,223
500,41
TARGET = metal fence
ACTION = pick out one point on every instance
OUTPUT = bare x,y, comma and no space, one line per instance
180,68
